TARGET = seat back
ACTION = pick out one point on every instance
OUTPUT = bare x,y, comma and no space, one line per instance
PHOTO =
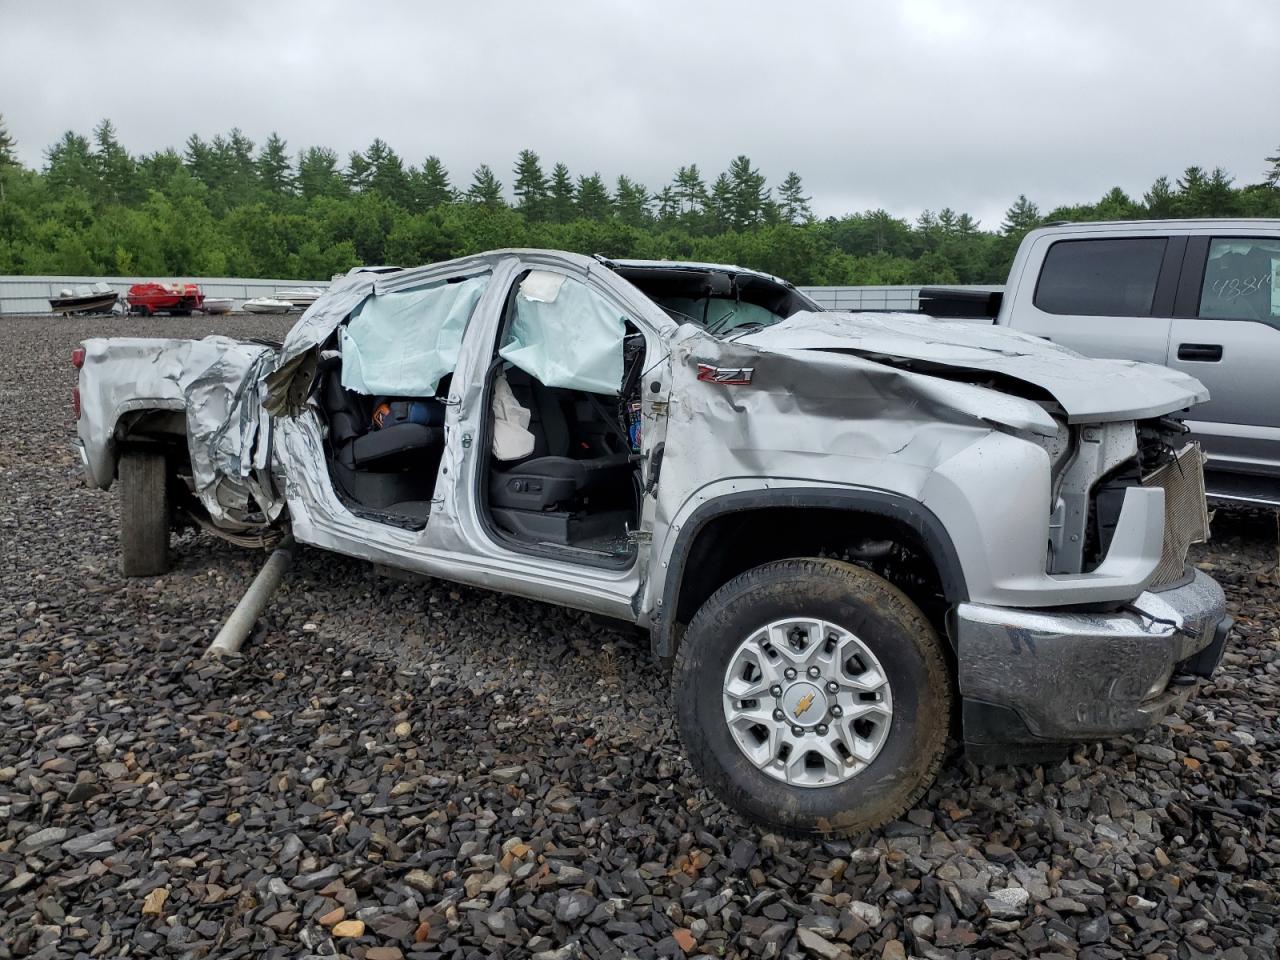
547,420
347,417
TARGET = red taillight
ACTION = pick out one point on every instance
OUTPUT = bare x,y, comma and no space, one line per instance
77,357
75,401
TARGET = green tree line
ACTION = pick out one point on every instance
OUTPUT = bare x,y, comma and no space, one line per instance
229,207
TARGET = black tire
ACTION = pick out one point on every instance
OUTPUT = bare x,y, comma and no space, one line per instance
892,628
144,513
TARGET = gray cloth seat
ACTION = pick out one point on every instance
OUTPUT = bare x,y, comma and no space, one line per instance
549,478
356,446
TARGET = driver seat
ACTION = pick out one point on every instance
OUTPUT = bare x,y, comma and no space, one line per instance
549,478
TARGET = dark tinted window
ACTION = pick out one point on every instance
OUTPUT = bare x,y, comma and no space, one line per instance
1101,278
1242,280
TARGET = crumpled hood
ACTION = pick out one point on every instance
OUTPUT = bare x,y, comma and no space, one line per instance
1089,390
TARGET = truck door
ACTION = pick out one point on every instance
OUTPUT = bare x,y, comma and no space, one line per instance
1226,333
1102,296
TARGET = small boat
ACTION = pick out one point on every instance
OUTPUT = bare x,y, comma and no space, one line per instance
177,299
98,298
267,305
218,304
301,297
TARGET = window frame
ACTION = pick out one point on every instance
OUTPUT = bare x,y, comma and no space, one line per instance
1196,265
1163,289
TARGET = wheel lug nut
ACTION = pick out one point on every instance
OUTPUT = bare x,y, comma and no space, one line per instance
797,731
837,712
822,729
778,715
775,690
813,672
789,673
833,687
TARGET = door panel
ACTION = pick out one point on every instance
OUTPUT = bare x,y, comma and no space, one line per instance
1105,297
1232,345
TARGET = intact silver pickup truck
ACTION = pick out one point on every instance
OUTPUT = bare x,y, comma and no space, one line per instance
1200,296
848,536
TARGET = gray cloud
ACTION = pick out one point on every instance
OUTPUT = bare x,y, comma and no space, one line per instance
902,106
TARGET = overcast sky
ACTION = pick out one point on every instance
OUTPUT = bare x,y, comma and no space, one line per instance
901,105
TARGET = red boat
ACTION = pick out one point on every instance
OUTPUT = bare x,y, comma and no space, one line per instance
175,298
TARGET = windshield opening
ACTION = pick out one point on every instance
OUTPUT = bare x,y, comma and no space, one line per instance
722,302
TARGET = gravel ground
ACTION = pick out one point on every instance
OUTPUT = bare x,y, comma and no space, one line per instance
429,770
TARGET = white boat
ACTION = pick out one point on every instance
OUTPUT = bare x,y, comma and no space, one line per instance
218,304
301,297
98,298
267,305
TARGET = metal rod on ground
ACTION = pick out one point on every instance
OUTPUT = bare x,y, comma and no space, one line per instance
233,633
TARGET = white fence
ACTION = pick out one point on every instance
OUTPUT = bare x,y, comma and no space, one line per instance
852,299
31,294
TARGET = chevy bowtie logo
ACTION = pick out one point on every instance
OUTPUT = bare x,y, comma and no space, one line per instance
803,704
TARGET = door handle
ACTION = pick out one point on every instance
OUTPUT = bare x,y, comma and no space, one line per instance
1208,352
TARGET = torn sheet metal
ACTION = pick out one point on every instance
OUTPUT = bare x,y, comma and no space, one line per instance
216,383
1089,390
565,335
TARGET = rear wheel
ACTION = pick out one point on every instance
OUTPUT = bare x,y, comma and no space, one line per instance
813,697
144,513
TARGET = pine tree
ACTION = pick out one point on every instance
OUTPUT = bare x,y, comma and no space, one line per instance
1273,175
239,150
199,160
71,165
748,193
387,176
8,155
530,186
1203,194
928,228
560,203
690,190
631,200
668,205
1021,217
318,174
485,189
594,202
721,204
1160,200
432,186
793,205
116,169
358,172
274,169
8,149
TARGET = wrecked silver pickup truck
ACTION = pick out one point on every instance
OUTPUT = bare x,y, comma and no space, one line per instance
847,535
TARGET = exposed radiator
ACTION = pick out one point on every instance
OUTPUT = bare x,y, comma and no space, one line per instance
1186,514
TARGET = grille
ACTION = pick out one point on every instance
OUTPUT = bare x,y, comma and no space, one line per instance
1186,515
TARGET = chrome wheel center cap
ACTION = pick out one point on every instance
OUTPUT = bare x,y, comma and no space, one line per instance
804,703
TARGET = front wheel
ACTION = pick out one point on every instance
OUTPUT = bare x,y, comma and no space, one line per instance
813,697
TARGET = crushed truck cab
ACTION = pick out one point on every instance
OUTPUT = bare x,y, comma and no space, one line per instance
836,528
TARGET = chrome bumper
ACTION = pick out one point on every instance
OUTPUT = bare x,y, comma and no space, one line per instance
1063,676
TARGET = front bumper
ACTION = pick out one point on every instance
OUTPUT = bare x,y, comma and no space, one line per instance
1029,676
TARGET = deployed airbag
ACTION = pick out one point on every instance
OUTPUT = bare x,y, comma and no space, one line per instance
564,334
400,344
